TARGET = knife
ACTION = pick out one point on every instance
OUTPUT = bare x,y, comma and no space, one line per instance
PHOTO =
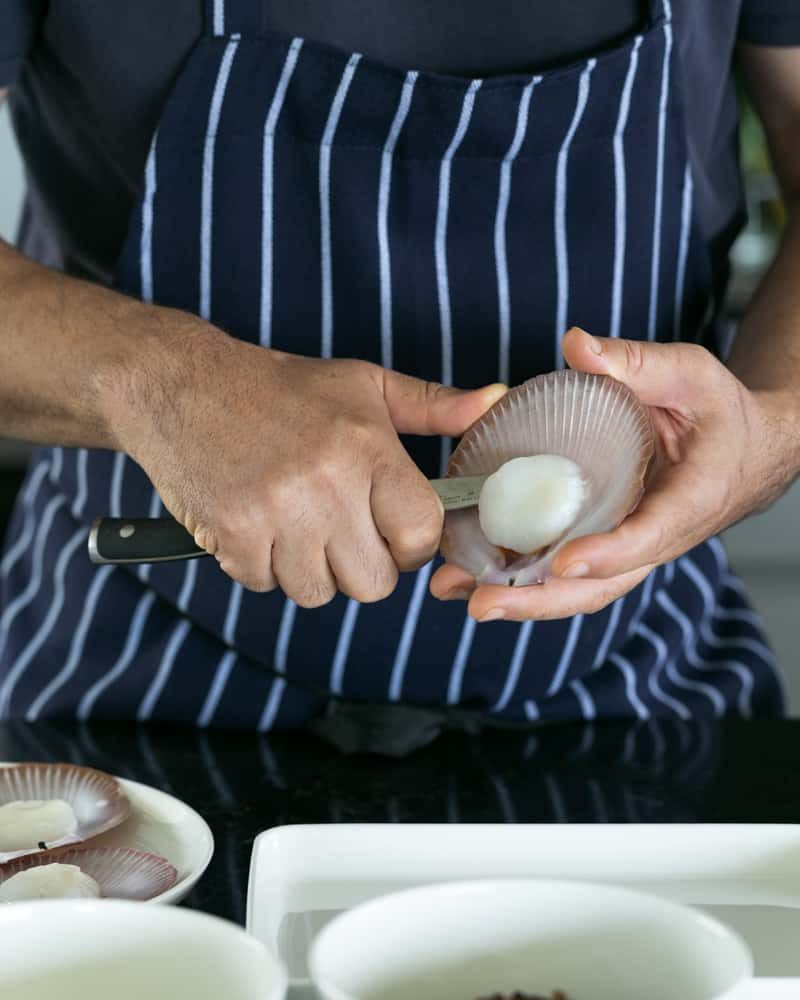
122,540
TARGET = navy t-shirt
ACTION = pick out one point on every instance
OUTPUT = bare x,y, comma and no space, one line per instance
89,79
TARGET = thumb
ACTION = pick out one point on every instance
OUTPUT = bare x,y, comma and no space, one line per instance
665,375
419,407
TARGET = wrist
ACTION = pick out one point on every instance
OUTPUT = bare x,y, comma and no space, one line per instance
780,409
140,385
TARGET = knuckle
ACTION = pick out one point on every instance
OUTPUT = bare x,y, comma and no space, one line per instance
379,587
433,390
206,538
634,356
313,593
257,578
420,537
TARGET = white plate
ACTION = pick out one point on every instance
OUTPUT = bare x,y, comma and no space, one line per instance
163,825
748,876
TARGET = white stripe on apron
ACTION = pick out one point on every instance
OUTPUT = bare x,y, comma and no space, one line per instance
207,193
630,685
566,656
407,634
132,641
81,458
326,349
146,241
501,216
656,690
29,593
515,668
620,182
267,190
272,706
76,645
117,475
683,247
223,672
32,647
679,680
58,463
460,662
22,543
219,17
384,193
440,248
562,259
585,700
659,198
744,674
153,693
343,646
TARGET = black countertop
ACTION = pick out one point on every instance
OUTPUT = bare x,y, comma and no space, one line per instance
241,783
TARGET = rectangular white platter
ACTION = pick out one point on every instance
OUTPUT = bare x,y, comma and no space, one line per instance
747,875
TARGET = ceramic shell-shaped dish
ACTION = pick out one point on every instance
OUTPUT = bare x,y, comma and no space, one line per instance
121,873
592,419
96,798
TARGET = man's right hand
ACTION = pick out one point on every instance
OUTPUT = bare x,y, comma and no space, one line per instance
288,469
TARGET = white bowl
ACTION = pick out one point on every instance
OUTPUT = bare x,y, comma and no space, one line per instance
94,950
465,940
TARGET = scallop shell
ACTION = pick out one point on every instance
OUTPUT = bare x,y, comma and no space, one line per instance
96,798
121,873
592,419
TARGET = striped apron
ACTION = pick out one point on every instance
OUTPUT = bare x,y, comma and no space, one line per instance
328,205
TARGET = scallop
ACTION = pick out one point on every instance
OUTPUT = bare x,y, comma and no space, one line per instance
566,455
53,805
118,872
51,881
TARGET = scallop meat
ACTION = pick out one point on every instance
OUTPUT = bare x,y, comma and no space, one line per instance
566,455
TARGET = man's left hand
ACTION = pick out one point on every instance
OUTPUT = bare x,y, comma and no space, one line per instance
723,452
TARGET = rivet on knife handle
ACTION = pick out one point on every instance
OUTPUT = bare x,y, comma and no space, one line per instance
140,540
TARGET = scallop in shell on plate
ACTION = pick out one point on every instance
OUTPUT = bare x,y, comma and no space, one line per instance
566,454
44,806
81,872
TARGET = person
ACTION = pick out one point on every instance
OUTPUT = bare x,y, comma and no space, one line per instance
262,244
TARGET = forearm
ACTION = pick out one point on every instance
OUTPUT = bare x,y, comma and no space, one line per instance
766,353
68,349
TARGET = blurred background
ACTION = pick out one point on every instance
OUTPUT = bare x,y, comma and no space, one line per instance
764,549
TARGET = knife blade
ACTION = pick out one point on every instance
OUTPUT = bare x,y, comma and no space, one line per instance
122,540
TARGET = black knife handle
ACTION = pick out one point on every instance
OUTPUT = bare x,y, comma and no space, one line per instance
140,540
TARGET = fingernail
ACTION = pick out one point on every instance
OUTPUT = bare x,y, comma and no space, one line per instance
576,569
493,615
594,344
459,594
496,391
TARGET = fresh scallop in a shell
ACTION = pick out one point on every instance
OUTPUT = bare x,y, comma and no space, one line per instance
118,872
44,806
567,454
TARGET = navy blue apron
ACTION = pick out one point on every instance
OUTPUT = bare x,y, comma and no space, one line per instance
328,205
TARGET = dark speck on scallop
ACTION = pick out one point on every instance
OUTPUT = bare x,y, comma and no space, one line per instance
555,995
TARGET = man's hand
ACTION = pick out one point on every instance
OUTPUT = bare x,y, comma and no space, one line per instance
288,469
723,452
